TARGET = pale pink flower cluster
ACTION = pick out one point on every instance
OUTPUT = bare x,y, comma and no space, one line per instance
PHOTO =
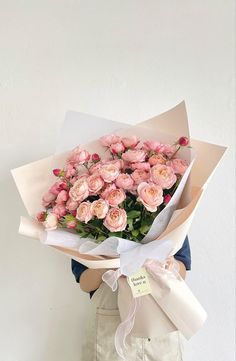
89,187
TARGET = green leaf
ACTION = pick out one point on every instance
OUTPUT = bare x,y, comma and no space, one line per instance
133,214
69,217
62,173
144,229
83,234
101,238
130,224
115,234
135,232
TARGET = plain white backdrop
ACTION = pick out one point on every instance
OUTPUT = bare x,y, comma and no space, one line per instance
126,60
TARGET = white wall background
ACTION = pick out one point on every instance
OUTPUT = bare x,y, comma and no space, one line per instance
125,60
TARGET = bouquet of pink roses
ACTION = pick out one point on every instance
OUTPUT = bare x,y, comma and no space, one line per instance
117,196
124,202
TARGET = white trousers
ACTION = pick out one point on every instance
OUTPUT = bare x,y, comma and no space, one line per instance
103,320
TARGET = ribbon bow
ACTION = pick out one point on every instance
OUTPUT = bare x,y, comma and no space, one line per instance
154,268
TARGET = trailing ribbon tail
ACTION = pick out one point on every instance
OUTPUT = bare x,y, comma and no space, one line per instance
125,327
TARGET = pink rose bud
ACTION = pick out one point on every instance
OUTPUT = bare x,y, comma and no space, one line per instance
183,141
56,172
71,224
95,157
41,216
167,198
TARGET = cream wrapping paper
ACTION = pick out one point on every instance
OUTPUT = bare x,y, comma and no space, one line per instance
33,180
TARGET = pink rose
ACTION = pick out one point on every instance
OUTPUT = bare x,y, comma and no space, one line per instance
109,172
78,156
51,222
59,210
70,171
115,197
140,176
95,168
124,181
71,205
142,166
166,149
48,198
71,224
57,187
99,208
118,163
157,159
108,188
117,148
130,142
150,195
109,139
41,216
62,197
134,156
151,145
83,213
95,183
80,190
116,220
163,176
179,165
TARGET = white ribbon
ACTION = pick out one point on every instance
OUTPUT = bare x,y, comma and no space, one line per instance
111,279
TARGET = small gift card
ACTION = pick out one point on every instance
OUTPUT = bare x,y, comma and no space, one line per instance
139,283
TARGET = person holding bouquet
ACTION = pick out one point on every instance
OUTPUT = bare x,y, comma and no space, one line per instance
166,348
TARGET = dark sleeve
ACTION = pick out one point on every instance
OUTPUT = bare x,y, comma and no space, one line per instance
78,269
184,254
